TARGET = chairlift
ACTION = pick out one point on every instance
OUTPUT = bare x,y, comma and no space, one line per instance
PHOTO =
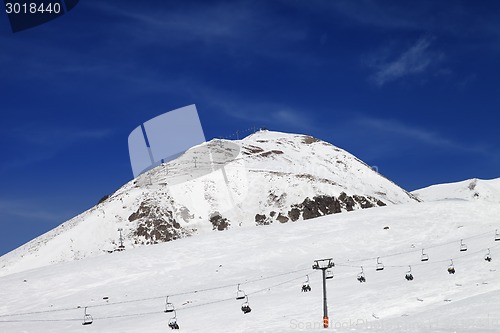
245,307
305,286
240,294
87,318
424,256
361,276
379,266
409,275
487,257
169,307
463,247
329,274
451,268
497,235
172,323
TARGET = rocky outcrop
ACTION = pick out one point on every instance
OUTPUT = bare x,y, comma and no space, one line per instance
155,224
319,206
218,222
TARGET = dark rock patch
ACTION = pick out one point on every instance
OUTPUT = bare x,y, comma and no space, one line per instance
156,224
347,201
294,214
271,152
104,198
262,219
309,139
218,222
282,218
251,150
325,205
362,201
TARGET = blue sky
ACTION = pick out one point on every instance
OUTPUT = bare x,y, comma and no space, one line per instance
411,87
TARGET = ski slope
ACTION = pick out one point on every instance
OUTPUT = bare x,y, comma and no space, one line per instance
270,262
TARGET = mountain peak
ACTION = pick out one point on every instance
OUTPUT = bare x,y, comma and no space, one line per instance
268,177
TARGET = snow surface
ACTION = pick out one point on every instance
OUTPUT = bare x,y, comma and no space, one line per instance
137,280
265,172
472,189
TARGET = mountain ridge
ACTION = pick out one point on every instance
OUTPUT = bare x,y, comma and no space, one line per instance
470,190
267,177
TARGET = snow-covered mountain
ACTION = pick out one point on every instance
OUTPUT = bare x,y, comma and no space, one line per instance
472,189
266,178
126,292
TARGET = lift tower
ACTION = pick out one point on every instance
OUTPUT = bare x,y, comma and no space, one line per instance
324,264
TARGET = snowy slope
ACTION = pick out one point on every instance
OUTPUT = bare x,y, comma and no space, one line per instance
271,263
472,189
266,178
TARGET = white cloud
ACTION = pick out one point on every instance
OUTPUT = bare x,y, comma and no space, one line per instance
258,113
41,143
275,114
230,24
27,210
423,136
41,135
414,61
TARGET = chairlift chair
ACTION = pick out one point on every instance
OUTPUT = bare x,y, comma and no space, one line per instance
240,294
329,274
361,276
379,266
497,235
463,247
451,268
424,257
245,307
87,318
487,257
305,286
409,275
172,323
169,307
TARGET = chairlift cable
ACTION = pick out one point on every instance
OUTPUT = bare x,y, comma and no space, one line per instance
152,298
417,250
39,320
427,262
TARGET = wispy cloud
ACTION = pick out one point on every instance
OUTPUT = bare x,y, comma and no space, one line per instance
451,18
57,136
41,143
207,23
415,60
258,112
279,115
377,14
27,210
229,24
401,131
